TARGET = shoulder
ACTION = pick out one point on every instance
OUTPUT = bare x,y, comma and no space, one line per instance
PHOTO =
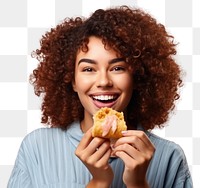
171,153
42,143
45,133
171,158
43,136
168,151
51,137
164,145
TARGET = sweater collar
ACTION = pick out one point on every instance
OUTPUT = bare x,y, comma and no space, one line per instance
75,133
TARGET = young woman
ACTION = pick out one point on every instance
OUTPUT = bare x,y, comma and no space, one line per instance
119,58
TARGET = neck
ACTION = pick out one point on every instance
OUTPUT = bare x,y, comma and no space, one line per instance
87,122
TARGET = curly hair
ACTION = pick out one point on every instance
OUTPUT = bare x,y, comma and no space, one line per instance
137,37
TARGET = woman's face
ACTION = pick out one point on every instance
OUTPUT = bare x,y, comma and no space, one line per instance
102,78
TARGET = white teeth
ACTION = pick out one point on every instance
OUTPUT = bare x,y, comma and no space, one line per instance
104,97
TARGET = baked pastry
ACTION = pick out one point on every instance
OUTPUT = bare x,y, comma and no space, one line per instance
108,123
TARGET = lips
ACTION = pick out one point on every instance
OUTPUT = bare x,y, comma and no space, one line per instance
104,100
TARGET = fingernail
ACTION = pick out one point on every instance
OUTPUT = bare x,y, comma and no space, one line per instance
112,146
124,132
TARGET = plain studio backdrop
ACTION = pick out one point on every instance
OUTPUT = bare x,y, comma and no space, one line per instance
23,22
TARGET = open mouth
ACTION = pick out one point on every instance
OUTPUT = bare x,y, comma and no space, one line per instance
105,98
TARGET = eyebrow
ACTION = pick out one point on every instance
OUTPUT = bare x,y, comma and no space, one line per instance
94,62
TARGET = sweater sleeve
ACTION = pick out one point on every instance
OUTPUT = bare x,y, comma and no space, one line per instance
19,177
169,167
178,174
183,177
46,159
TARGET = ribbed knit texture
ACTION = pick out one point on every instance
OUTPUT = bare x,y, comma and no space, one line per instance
46,159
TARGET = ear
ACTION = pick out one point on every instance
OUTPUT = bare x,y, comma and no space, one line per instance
74,85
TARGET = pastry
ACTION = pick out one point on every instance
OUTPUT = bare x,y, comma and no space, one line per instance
108,123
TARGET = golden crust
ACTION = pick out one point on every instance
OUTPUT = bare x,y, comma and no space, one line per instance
99,118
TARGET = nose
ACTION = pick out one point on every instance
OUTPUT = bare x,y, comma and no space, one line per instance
104,80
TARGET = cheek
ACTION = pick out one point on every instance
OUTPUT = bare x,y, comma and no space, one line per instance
81,84
125,83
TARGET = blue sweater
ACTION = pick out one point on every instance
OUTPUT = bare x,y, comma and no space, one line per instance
46,159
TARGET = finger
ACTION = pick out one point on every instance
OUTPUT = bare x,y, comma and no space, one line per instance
91,148
100,157
103,160
141,134
87,138
96,143
100,151
137,143
134,141
127,159
138,139
129,150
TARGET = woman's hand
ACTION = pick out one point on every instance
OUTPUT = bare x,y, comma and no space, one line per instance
136,150
95,153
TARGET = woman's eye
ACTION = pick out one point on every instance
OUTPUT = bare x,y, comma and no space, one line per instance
88,69
118,69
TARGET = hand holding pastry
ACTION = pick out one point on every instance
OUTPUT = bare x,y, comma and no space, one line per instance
136,150
95,153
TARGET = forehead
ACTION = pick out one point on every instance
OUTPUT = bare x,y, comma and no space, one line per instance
95,47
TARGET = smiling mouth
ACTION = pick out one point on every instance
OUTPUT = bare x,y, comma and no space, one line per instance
105,98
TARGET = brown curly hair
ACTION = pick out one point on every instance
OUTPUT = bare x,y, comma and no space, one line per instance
132,33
